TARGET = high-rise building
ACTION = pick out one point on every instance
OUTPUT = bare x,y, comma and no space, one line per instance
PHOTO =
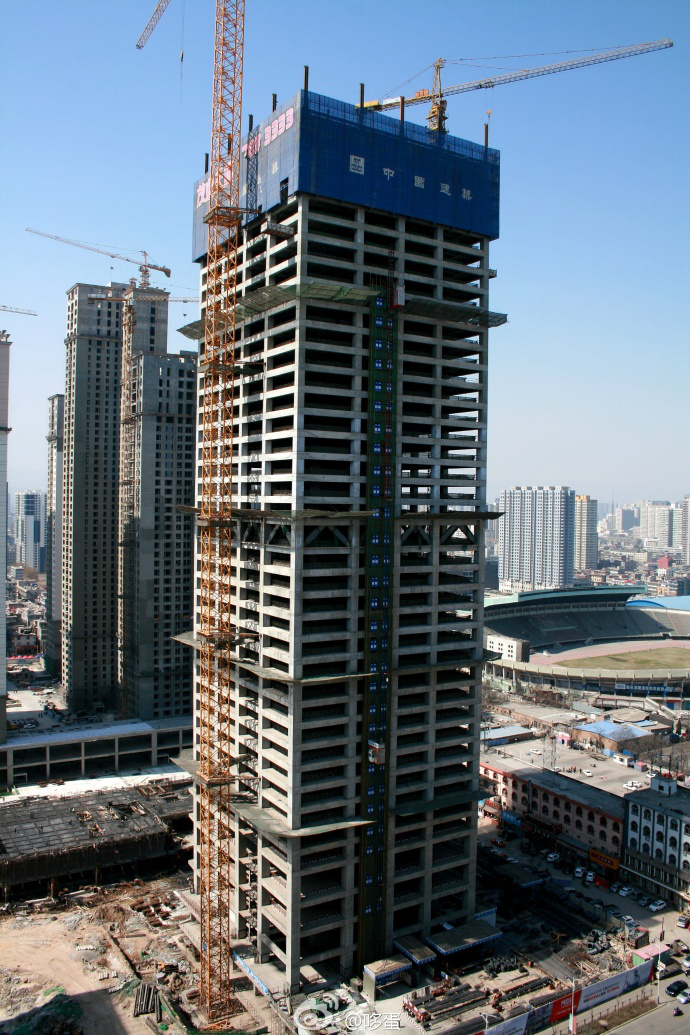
5,344
29,529
586,539
55,436
685,531
624,519
91,485
655,523
676,518
536,538
156,556
356,491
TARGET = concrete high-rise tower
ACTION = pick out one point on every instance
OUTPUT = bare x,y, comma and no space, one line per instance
54,501
586,538
355,580
536,538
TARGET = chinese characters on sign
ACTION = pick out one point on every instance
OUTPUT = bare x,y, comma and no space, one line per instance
357,164
274,129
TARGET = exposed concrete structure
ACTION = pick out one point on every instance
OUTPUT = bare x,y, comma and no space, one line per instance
330,412
46,838
54,503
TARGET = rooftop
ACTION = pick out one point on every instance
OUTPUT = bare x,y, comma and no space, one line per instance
617,731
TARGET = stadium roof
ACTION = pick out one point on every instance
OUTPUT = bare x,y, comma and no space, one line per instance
617,731
667,603
593,594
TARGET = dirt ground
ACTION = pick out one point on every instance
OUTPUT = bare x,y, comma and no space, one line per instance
83,968
41,962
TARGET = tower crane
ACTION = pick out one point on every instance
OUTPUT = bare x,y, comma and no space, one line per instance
437,95
152,23
23,312
140,298
144,267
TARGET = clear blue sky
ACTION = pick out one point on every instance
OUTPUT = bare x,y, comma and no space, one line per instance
589,380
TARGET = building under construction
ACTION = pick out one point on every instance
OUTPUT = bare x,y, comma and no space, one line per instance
355,569
54,839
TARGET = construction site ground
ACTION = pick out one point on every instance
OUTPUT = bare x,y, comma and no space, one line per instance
83,968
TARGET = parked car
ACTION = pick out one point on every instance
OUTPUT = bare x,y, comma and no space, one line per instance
615,888
579,871
624,892
685,964
644,900
497,841
683,921
614,911
553,857
675,987
586,772
628,921
683,997
590,877
654,907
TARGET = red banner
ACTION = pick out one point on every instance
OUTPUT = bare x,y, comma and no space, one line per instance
563,1007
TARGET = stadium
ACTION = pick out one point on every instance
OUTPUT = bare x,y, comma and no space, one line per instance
610,641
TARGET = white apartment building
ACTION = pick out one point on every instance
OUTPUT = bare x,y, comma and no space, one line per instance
91,486
655,523
657,840
356,573
586,555
536,538
54,503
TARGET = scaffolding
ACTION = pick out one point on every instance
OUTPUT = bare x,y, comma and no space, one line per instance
216,629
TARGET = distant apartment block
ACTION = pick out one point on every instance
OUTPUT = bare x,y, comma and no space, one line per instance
91,486
29,529
54,499
536,538
655,522
586,538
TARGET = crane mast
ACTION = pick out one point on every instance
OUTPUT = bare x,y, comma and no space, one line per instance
216,631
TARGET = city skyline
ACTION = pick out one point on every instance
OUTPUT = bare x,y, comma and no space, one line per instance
566,359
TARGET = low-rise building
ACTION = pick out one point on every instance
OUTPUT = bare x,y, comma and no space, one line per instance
583,821
657,840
